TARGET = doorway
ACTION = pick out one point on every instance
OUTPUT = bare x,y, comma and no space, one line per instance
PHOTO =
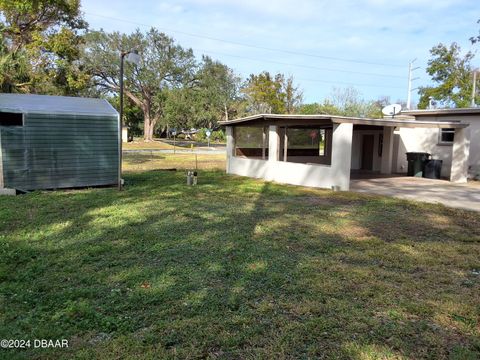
367,152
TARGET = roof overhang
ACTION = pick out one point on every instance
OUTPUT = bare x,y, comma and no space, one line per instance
404,123
278,119
292,120
443,112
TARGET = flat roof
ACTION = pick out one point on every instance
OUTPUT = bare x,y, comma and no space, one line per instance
292,117
445,112
316,119
47,104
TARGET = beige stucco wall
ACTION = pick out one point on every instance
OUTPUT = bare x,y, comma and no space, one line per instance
474,158
323,176
420,139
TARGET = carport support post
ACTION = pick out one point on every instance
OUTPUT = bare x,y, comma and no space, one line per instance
230,145
460,152
387,150
342,154
273,143
264,140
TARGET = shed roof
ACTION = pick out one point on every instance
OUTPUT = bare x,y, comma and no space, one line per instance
315,119
47,104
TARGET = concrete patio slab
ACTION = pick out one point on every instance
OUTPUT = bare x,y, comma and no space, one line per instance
463,196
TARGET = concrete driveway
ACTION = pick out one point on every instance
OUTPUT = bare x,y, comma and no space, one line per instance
464,196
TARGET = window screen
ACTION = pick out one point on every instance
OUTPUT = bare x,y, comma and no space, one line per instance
249,137
249,141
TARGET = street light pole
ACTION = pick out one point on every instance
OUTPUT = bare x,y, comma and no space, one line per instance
134,58
120,124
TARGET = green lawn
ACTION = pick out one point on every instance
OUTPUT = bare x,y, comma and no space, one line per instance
236,268
139,144
144,161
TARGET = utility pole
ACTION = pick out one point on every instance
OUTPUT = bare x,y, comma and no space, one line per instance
474,87
411,69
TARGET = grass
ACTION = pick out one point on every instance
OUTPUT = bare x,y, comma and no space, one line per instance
237,268
151,145
154,161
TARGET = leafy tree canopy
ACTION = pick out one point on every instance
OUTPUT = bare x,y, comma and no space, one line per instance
41,44
165,66
452,74
265,93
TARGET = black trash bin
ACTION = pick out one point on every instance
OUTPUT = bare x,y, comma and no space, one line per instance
433,169
416,163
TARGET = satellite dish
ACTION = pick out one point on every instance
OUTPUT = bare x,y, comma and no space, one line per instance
392,110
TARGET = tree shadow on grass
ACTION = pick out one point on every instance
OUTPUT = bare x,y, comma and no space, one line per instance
233,268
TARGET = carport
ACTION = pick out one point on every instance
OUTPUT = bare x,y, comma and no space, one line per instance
386,128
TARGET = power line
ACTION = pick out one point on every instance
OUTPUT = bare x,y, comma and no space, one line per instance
298,65
350,84
248,45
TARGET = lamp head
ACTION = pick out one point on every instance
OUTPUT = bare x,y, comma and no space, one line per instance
133,57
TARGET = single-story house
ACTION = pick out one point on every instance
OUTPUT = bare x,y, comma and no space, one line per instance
323,150
51,142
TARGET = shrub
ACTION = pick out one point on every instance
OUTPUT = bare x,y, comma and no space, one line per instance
217,135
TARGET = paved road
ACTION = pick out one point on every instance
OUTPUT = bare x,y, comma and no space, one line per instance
464,196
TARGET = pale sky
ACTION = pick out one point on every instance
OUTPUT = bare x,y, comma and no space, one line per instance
364,44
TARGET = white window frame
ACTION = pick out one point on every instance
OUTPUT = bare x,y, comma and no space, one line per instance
448,131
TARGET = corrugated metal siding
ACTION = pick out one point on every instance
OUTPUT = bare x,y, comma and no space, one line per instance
60,151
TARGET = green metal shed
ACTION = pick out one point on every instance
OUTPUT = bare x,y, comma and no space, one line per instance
52,142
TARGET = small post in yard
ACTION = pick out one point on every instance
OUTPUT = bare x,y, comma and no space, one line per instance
192,175
195,173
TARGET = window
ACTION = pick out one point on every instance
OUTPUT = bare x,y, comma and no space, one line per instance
446,136
11,119
306,142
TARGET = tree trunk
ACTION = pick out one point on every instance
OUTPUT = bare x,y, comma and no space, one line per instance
146,127
150,131
153,122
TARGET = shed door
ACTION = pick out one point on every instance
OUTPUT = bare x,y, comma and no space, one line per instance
367,152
